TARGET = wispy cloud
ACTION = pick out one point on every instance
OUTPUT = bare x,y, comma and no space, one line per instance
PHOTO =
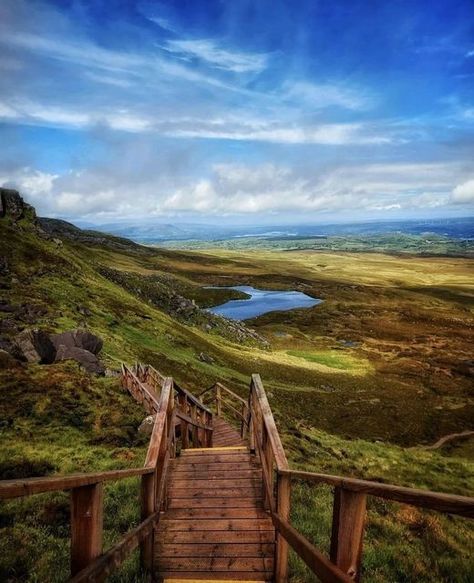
210,52
318,96
223,128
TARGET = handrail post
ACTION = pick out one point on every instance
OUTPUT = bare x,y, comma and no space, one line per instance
283,510
243,425
348,531
218,400
148,500
250,420
182,399
86,525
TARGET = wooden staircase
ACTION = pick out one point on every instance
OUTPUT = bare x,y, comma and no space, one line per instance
215,500
215,526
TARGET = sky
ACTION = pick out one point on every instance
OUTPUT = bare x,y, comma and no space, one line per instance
242,111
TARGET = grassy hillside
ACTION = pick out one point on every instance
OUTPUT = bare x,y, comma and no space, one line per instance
363,408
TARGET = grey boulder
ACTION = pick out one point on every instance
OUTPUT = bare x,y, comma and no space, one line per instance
86,359
35,346
78,339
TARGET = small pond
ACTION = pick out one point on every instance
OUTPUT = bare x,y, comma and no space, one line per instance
262,301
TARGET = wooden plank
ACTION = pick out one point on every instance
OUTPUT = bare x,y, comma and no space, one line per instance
216,475
224,483
216,502
219,467
316,561
192,421
235,395
114,557
348,531
86,525
215,564
198,450
196,577
148,493
448,503
29,486
159,428
214,525
191,492
215,550
191,513
277,447
205,536
283,510
216,458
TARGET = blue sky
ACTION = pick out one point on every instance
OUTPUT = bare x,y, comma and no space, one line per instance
239,111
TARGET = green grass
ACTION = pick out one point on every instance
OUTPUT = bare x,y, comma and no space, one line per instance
401,542
331,359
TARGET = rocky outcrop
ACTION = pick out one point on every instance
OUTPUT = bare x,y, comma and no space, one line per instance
58,229
146,426
79,339
34,346
86,359
14,207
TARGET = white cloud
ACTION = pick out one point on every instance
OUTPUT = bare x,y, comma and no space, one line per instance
325,95
210,52
463,193
231,188
470,54
220,128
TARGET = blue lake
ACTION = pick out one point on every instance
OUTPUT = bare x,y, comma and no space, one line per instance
262,301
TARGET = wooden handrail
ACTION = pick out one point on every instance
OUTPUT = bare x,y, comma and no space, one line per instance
219,390
107,563
269,421
326,571
149,372
349,510
30,486
446,503
88,563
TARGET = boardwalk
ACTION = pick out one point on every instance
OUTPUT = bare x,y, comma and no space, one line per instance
215,526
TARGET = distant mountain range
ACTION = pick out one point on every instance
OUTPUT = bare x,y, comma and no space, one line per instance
149,233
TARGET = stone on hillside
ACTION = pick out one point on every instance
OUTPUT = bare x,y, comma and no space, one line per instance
79,339
146,426
86,359
35,346
203,357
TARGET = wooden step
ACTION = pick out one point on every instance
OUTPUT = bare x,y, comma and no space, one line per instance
215,527
215,550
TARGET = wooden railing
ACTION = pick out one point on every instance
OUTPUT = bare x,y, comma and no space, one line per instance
349,509
195,418
225,402
88,562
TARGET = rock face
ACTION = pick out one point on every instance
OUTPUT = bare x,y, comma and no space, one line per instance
35,346
146,426
13,206
86,359
79,339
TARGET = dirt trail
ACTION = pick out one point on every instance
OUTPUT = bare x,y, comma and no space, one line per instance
449,437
